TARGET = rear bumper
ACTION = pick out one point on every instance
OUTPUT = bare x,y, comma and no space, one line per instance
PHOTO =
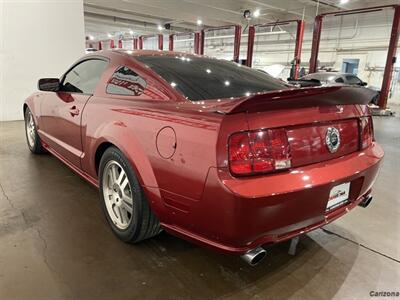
239,214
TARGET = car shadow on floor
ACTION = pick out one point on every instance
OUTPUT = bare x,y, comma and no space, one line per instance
279,274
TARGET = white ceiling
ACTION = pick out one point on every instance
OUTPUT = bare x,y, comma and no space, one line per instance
143,16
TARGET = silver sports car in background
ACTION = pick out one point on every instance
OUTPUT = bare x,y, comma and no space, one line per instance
335,78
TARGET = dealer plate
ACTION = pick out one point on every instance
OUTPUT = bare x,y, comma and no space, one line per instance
339,195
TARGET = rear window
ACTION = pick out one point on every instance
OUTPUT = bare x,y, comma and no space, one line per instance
200,78
353,79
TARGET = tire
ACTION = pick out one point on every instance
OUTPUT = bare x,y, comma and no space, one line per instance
375,100
131,220
32,137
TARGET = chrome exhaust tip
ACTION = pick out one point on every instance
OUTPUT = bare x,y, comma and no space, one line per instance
366,201
254,256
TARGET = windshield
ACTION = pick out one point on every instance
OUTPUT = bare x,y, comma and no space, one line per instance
200,78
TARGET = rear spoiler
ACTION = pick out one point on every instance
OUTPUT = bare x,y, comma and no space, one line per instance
299,98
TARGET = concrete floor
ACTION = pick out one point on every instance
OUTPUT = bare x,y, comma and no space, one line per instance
55,243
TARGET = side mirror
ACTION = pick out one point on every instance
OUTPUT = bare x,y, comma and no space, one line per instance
49,84
364,83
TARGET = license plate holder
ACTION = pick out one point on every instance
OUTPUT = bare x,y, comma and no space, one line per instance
338,195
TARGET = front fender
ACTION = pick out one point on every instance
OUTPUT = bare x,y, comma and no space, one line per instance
33,102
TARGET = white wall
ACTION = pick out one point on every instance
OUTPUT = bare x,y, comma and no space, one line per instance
38,38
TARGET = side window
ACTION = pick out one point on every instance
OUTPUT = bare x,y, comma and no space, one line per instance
353,79
339,80
84,77
124,81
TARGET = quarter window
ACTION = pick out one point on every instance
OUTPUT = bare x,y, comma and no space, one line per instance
124,81
339,80
84,77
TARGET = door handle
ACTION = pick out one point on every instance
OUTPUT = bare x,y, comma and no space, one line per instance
74,111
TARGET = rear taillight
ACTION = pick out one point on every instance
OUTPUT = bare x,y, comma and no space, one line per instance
258,152
366,132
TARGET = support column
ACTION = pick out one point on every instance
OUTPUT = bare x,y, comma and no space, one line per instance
236,46
299,45
160,41
390,60
196,42
315,44
140,42
201,42
171,42
250,46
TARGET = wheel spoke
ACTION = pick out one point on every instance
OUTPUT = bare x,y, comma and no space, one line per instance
120,177
114,209
110,181
125,211
127,206
127,198
114,172
124,183
121,216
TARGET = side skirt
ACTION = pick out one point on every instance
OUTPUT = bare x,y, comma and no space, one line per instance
93,181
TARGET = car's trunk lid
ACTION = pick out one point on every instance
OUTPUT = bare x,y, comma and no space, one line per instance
310,143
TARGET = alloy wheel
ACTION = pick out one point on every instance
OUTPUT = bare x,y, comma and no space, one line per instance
30,130
117,194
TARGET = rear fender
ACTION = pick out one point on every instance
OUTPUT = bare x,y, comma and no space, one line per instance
115,133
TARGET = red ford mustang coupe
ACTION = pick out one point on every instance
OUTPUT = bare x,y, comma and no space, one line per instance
206,149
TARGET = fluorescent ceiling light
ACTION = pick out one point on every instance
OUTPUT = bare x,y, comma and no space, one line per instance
272,32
